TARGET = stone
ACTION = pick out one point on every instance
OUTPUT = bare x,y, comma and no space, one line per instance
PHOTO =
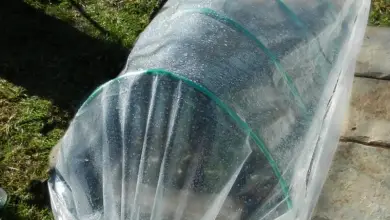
369,113
358,185
374,57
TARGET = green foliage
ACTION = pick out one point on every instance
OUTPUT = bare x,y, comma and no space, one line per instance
380,12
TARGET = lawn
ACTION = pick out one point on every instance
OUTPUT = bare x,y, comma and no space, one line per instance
53,54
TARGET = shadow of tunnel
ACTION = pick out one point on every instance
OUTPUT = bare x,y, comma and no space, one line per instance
51,59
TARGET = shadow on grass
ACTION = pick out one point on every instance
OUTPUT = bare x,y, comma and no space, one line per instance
12,211
52,59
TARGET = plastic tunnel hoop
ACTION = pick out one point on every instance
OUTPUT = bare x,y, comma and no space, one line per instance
295,18
244,126
301,24
238,27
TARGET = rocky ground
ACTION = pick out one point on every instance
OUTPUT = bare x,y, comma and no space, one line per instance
358,185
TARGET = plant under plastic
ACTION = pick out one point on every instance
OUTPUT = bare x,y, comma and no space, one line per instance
225,110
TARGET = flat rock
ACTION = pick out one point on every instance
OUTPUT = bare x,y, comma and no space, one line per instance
374,57
369,113
358,185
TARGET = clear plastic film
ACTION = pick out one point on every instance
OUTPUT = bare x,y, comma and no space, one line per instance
225,110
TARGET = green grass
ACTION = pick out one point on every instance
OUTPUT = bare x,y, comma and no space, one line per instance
380,13
24,148
53,54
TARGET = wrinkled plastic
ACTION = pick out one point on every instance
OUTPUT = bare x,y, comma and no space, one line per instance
225,110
